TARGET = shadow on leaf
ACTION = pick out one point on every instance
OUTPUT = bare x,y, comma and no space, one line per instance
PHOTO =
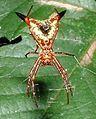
5,41
41,89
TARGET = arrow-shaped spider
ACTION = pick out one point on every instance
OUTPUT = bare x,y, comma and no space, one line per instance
44,33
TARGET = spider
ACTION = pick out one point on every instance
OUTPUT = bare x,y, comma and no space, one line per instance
44,33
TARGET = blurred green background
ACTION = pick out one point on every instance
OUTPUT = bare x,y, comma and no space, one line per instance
76,34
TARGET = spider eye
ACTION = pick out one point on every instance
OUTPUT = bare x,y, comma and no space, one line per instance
45,27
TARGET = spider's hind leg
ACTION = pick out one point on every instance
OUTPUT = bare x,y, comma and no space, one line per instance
64,76
68,88
31,79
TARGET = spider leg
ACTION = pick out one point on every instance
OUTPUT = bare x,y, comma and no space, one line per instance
68,54
64,76
31,79
35,52
64,54
36,48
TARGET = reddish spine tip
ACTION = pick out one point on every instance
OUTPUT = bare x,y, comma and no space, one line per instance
27,20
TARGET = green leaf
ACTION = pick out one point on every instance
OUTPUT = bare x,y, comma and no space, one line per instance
76,35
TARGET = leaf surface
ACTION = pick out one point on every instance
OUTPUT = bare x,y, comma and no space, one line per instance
76,34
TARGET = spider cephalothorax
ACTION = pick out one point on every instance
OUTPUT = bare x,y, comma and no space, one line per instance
45,27
44,33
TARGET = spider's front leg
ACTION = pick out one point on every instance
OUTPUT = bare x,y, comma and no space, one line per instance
64,54
68,54
35,52
64,76
31,79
